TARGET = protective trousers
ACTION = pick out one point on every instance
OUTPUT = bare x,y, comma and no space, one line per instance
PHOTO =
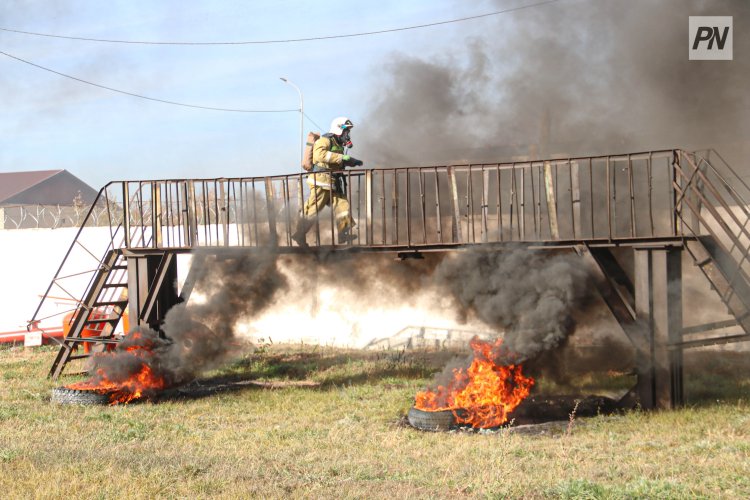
320,198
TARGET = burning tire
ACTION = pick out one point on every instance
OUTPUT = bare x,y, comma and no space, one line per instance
431,420
63,395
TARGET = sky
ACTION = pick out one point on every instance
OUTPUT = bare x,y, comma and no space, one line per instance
608,75
50,122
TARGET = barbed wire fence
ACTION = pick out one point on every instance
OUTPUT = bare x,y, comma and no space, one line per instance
48,216
38,216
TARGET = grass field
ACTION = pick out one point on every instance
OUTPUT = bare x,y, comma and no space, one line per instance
319,422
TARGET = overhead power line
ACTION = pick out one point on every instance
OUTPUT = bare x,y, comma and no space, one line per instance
289,40
313,121
146,97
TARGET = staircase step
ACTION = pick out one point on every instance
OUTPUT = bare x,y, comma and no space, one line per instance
707,327
703,262
119,303
78,356
727,339
114,285
102,320
95,340
731,285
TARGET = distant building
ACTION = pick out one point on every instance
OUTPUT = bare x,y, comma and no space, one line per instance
43,198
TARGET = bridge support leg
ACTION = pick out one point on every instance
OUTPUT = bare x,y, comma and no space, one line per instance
658,303
152,288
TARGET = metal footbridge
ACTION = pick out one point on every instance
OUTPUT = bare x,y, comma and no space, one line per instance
655,206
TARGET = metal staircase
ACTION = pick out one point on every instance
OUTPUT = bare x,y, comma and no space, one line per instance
91,325
713,211
100,311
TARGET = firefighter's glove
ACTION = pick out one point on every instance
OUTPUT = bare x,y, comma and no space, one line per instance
348,161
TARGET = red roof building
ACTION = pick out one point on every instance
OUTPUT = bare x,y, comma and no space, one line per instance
43,199
43,187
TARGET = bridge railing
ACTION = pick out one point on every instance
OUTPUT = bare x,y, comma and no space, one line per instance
603,198
591,198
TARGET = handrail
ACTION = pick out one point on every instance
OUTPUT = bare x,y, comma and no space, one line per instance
67,254
728,167
112,245
728,231
502,164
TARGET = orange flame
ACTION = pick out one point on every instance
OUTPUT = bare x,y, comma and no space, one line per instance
484,394
131,388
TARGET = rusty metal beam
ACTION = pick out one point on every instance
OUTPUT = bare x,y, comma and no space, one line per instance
159,297
658,295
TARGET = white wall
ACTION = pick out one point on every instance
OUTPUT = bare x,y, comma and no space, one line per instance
29,259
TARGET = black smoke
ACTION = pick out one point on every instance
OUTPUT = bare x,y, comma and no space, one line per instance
198,335
568,78
531,297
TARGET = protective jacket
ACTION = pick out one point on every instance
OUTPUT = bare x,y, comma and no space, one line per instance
327,158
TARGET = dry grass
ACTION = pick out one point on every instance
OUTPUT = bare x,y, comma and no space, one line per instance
343,437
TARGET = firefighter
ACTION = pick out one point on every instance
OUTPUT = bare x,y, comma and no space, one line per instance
327,182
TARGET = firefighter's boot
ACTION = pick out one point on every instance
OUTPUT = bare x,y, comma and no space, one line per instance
303,226
346,236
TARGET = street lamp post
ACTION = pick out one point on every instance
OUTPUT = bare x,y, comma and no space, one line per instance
301,120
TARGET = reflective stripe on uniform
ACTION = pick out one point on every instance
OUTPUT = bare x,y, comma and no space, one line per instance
328,157
313,181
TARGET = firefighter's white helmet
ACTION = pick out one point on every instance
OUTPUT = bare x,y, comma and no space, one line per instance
338,125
